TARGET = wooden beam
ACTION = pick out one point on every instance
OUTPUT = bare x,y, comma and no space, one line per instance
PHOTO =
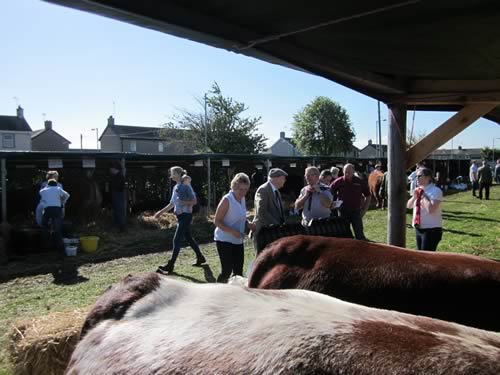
396,160
450,98
450,128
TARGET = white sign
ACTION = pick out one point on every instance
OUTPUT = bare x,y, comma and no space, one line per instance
225,162
55,163
293,165
88,163
198,163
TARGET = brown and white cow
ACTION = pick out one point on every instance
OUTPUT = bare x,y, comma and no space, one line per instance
453,287
150,324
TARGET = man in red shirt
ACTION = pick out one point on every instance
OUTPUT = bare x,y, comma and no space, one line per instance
355,197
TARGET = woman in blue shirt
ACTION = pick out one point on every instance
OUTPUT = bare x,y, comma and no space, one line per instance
184,213
231,223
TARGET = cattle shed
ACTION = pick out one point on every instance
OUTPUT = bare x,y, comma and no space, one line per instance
415,54
86,175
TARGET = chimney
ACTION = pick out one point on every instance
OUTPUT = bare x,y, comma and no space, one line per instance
282,134
369,142
111,121
20,112
48,125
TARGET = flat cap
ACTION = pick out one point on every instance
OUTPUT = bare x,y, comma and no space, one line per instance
277,172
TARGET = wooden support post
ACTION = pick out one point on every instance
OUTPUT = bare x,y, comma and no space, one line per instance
396,160
448,130
125,191
4,191
4,226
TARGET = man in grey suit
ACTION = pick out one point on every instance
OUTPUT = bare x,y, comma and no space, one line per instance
269,208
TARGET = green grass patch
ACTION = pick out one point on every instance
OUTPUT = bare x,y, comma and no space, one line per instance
471,226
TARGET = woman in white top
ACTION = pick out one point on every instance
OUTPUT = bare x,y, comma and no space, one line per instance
427,214
231,223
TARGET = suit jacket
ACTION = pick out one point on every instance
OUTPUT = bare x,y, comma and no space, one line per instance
267,210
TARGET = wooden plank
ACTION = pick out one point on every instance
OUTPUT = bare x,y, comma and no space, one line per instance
450,128
396,160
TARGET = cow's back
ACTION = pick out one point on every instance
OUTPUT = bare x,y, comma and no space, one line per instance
452,287
183,328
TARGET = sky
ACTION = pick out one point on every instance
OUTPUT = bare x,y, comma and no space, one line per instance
76,69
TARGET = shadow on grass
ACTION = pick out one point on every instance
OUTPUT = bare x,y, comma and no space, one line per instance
128,246
461,233
447,216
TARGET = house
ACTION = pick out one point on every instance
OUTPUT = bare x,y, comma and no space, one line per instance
456,154
284,146
142,139
15,132
47,139
370,151
352,153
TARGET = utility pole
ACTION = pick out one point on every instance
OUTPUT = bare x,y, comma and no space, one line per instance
206,125
96,136
81,141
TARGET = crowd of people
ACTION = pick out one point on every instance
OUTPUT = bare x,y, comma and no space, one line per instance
324,195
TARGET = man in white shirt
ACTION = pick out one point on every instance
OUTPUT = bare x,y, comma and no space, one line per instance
473,177
315,198
53,199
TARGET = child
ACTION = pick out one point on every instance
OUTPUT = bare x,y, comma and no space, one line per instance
184,193
53,199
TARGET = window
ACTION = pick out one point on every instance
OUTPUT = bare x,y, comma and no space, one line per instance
8,140
160,147
133,146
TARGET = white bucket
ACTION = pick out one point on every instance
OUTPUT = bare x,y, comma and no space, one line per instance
71,250
71,241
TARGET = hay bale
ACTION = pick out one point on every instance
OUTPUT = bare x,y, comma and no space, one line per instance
165,221
44,345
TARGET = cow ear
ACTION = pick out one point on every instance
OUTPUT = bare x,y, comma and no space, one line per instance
115,302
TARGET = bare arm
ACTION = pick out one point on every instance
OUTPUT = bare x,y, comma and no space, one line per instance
430,204
301,200
167,208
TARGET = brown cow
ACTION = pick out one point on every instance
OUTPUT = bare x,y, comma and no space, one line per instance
151,324
374,183
453,287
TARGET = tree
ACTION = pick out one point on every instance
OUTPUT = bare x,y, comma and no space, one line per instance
413,138
227,130
323,127
488,154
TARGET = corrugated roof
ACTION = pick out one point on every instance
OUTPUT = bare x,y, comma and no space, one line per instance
14,123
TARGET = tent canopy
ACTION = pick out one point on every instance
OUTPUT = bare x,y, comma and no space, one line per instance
430,54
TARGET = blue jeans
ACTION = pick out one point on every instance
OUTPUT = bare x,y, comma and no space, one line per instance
183,230
354,218
428,239
53,214
118,201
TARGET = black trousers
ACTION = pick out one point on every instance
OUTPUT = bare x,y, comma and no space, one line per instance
475,186
486,188
428,239
231,260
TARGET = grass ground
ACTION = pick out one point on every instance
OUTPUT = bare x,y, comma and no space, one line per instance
470,226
